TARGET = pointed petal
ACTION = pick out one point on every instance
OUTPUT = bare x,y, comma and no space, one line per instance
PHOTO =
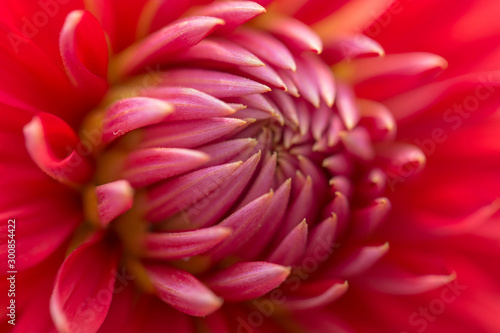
170,245
316,294
366,220
147,166
188,134
234,13
346,104
159,46
189,103
182,291
359,261
132,113
175,195
247,280
245,222
351,47
262,183
322,238
265,47
291,250
324,77
74,291
228,151
357,142
217,84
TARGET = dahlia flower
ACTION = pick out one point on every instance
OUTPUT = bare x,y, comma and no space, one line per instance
250,166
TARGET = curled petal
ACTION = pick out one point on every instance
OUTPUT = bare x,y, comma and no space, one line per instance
247,280
72,304
377,119
402,160
85,61
45,138
182,291
132,113
170,245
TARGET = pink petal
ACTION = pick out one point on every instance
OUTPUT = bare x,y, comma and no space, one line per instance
175,195
220,50
189,103
87,276
357,142
351,47
55,148
209,209
265,47
113,199
346,104
132,113
295,34
182,291
147,166
188,134
262,183
161,45
217,84
245,222
322,239
324,77
234,13
265,74
377,119
228,151
247,280
291,250
170,245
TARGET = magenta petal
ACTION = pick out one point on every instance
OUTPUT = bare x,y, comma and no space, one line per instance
322,238
247,280
133,113
350,47
262,183
228,151
113,199
291,250
147,166
367,219
169,197
176,37
182,291
51,144
217,84
176,245
245,222
87,275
